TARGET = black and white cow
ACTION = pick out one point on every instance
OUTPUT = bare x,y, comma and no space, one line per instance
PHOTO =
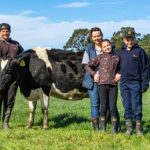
39,72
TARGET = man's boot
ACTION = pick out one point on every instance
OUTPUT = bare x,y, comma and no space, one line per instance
115,125
103,123
6,116
95,123
129,127
139,128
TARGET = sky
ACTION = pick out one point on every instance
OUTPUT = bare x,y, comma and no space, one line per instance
50,23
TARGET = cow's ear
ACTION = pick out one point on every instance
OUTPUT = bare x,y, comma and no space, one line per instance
22,63
21,57
19,62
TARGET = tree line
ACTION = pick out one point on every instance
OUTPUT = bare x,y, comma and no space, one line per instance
80,38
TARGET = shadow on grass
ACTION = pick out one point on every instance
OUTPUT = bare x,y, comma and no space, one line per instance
64,120
146,125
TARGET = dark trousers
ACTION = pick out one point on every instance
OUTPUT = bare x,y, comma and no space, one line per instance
7,100
132,100
108,99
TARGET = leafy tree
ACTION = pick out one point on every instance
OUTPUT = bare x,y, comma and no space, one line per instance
117,39
144,42
78,40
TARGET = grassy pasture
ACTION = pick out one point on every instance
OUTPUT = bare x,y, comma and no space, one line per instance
69,128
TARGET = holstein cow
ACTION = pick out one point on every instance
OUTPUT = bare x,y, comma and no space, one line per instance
39,72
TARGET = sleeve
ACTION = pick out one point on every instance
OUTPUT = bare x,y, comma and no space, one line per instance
20,48
91,66
119,63
89,70
145,70
86,58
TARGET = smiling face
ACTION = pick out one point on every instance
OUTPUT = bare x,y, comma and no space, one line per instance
4,34
106,47
96,37
129,42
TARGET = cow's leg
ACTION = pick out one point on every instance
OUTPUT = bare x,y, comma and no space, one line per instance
32,107
44,106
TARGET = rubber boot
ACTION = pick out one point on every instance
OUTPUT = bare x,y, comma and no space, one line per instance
95,123
0,109
139,128
115,125
118,121
129,127
6,116
103,123
108,117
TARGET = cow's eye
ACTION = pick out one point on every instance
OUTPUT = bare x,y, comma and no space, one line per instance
63,68
70,75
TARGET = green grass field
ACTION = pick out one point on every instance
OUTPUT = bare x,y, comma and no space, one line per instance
69,129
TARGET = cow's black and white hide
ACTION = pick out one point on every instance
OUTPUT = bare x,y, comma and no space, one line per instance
67,74
39,72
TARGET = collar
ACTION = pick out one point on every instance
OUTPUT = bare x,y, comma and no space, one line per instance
107,53
93,47
2,40
134,46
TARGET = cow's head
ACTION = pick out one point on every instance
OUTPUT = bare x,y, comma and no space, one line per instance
8,69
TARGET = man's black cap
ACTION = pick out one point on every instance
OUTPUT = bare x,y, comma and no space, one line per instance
5,26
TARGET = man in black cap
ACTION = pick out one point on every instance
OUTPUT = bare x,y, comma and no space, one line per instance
134,69
8,49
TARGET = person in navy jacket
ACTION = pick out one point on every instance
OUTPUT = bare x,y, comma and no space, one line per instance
134,70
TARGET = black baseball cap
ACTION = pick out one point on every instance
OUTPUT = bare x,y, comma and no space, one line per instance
5,26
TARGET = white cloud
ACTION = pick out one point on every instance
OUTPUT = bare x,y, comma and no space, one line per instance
74,5
36,31
28,12
112,2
